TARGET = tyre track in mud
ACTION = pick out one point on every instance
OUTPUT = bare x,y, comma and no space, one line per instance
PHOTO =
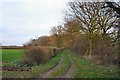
47,74
70,71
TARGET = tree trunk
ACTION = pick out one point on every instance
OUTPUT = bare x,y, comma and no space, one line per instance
86,53
90,48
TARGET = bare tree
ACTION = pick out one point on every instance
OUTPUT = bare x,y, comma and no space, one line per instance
110,21
87,14
57,31
115,6
94,19
71,29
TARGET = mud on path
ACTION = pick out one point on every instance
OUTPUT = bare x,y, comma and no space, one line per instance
69,72
47,74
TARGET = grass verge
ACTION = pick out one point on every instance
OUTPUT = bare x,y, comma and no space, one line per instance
87,69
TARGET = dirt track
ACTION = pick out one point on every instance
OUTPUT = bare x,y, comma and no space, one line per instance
47,74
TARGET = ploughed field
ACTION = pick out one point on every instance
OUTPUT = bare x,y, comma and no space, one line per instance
64,65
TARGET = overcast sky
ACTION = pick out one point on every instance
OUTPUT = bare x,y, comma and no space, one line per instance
23,20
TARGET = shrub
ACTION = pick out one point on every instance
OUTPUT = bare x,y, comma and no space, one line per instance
38,54
80,45
102,51
105,53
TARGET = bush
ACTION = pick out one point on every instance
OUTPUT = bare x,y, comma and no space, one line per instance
80,45
102,51
106,54
38,54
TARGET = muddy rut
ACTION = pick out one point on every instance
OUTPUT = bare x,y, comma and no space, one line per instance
47,74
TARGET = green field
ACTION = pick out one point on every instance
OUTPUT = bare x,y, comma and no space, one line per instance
10,55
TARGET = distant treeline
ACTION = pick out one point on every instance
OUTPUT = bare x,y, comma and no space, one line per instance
11,47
